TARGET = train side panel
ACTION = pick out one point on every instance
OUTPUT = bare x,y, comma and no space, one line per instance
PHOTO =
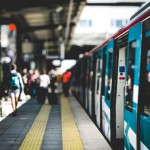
132,92
98,87
144,95
107,98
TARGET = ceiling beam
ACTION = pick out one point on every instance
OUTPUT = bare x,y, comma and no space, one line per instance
50,26
50,40
19,4
77,14
116,4
69,17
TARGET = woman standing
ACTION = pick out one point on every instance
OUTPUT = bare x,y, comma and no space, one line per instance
43,89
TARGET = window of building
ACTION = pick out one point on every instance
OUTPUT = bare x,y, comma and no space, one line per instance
86,23
118,23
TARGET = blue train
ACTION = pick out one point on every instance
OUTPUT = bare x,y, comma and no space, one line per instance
112,83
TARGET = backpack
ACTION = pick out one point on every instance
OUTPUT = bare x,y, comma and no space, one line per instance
15,82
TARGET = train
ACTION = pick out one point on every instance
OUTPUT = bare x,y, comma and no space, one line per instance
1,74
112,84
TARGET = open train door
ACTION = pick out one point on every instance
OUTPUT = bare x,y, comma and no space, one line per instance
98,85
87,85
106,92
90,87
121,44
131,93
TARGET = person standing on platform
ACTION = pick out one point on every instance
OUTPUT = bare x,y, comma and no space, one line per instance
15,87
32,83
43,89
25,77
66,82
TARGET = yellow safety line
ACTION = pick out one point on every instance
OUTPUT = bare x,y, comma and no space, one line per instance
33,139
70,134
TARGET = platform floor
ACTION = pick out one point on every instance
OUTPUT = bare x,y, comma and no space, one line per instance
64,126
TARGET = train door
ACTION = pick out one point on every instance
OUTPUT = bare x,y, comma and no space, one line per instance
81,82
121,52
90,85
77,79
87,86
83,67
144,95
74,81
132,87
1,76
107,91
98,83
84,80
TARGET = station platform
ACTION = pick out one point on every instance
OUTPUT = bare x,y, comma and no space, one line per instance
64,126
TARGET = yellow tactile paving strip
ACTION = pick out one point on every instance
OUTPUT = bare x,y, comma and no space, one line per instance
70,135
33,139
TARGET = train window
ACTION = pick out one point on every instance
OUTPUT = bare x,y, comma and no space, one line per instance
146,85
109,81
0,74
91,74
144,88
104,71
130,74
91,78
147,88
87,74
98,75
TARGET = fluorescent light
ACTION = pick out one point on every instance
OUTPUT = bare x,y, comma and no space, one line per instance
60,27
59,9
56,62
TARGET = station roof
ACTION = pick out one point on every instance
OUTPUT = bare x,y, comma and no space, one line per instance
50,22
46,21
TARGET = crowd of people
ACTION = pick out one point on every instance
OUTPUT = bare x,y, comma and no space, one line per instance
30,82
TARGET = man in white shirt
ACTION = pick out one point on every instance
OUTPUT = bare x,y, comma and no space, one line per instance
44,83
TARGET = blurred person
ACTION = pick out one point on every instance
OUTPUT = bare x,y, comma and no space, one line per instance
52,95
32,83
129,90
148,76
66,82
5,81
25,77
52,75
59,79
15,87
43,86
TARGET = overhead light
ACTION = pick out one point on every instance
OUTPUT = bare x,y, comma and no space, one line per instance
56,62
60,27
5,60
37,19
59,9
81,55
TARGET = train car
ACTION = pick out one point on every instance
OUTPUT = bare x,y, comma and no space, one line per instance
117,85
1,74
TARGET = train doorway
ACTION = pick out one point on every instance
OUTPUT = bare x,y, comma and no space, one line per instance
121,45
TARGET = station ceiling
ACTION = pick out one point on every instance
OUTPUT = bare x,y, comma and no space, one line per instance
50,22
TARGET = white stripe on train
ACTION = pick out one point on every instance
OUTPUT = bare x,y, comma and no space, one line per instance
132,138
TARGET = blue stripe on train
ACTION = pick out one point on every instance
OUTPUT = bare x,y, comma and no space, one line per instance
145,130
127,145
131,123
